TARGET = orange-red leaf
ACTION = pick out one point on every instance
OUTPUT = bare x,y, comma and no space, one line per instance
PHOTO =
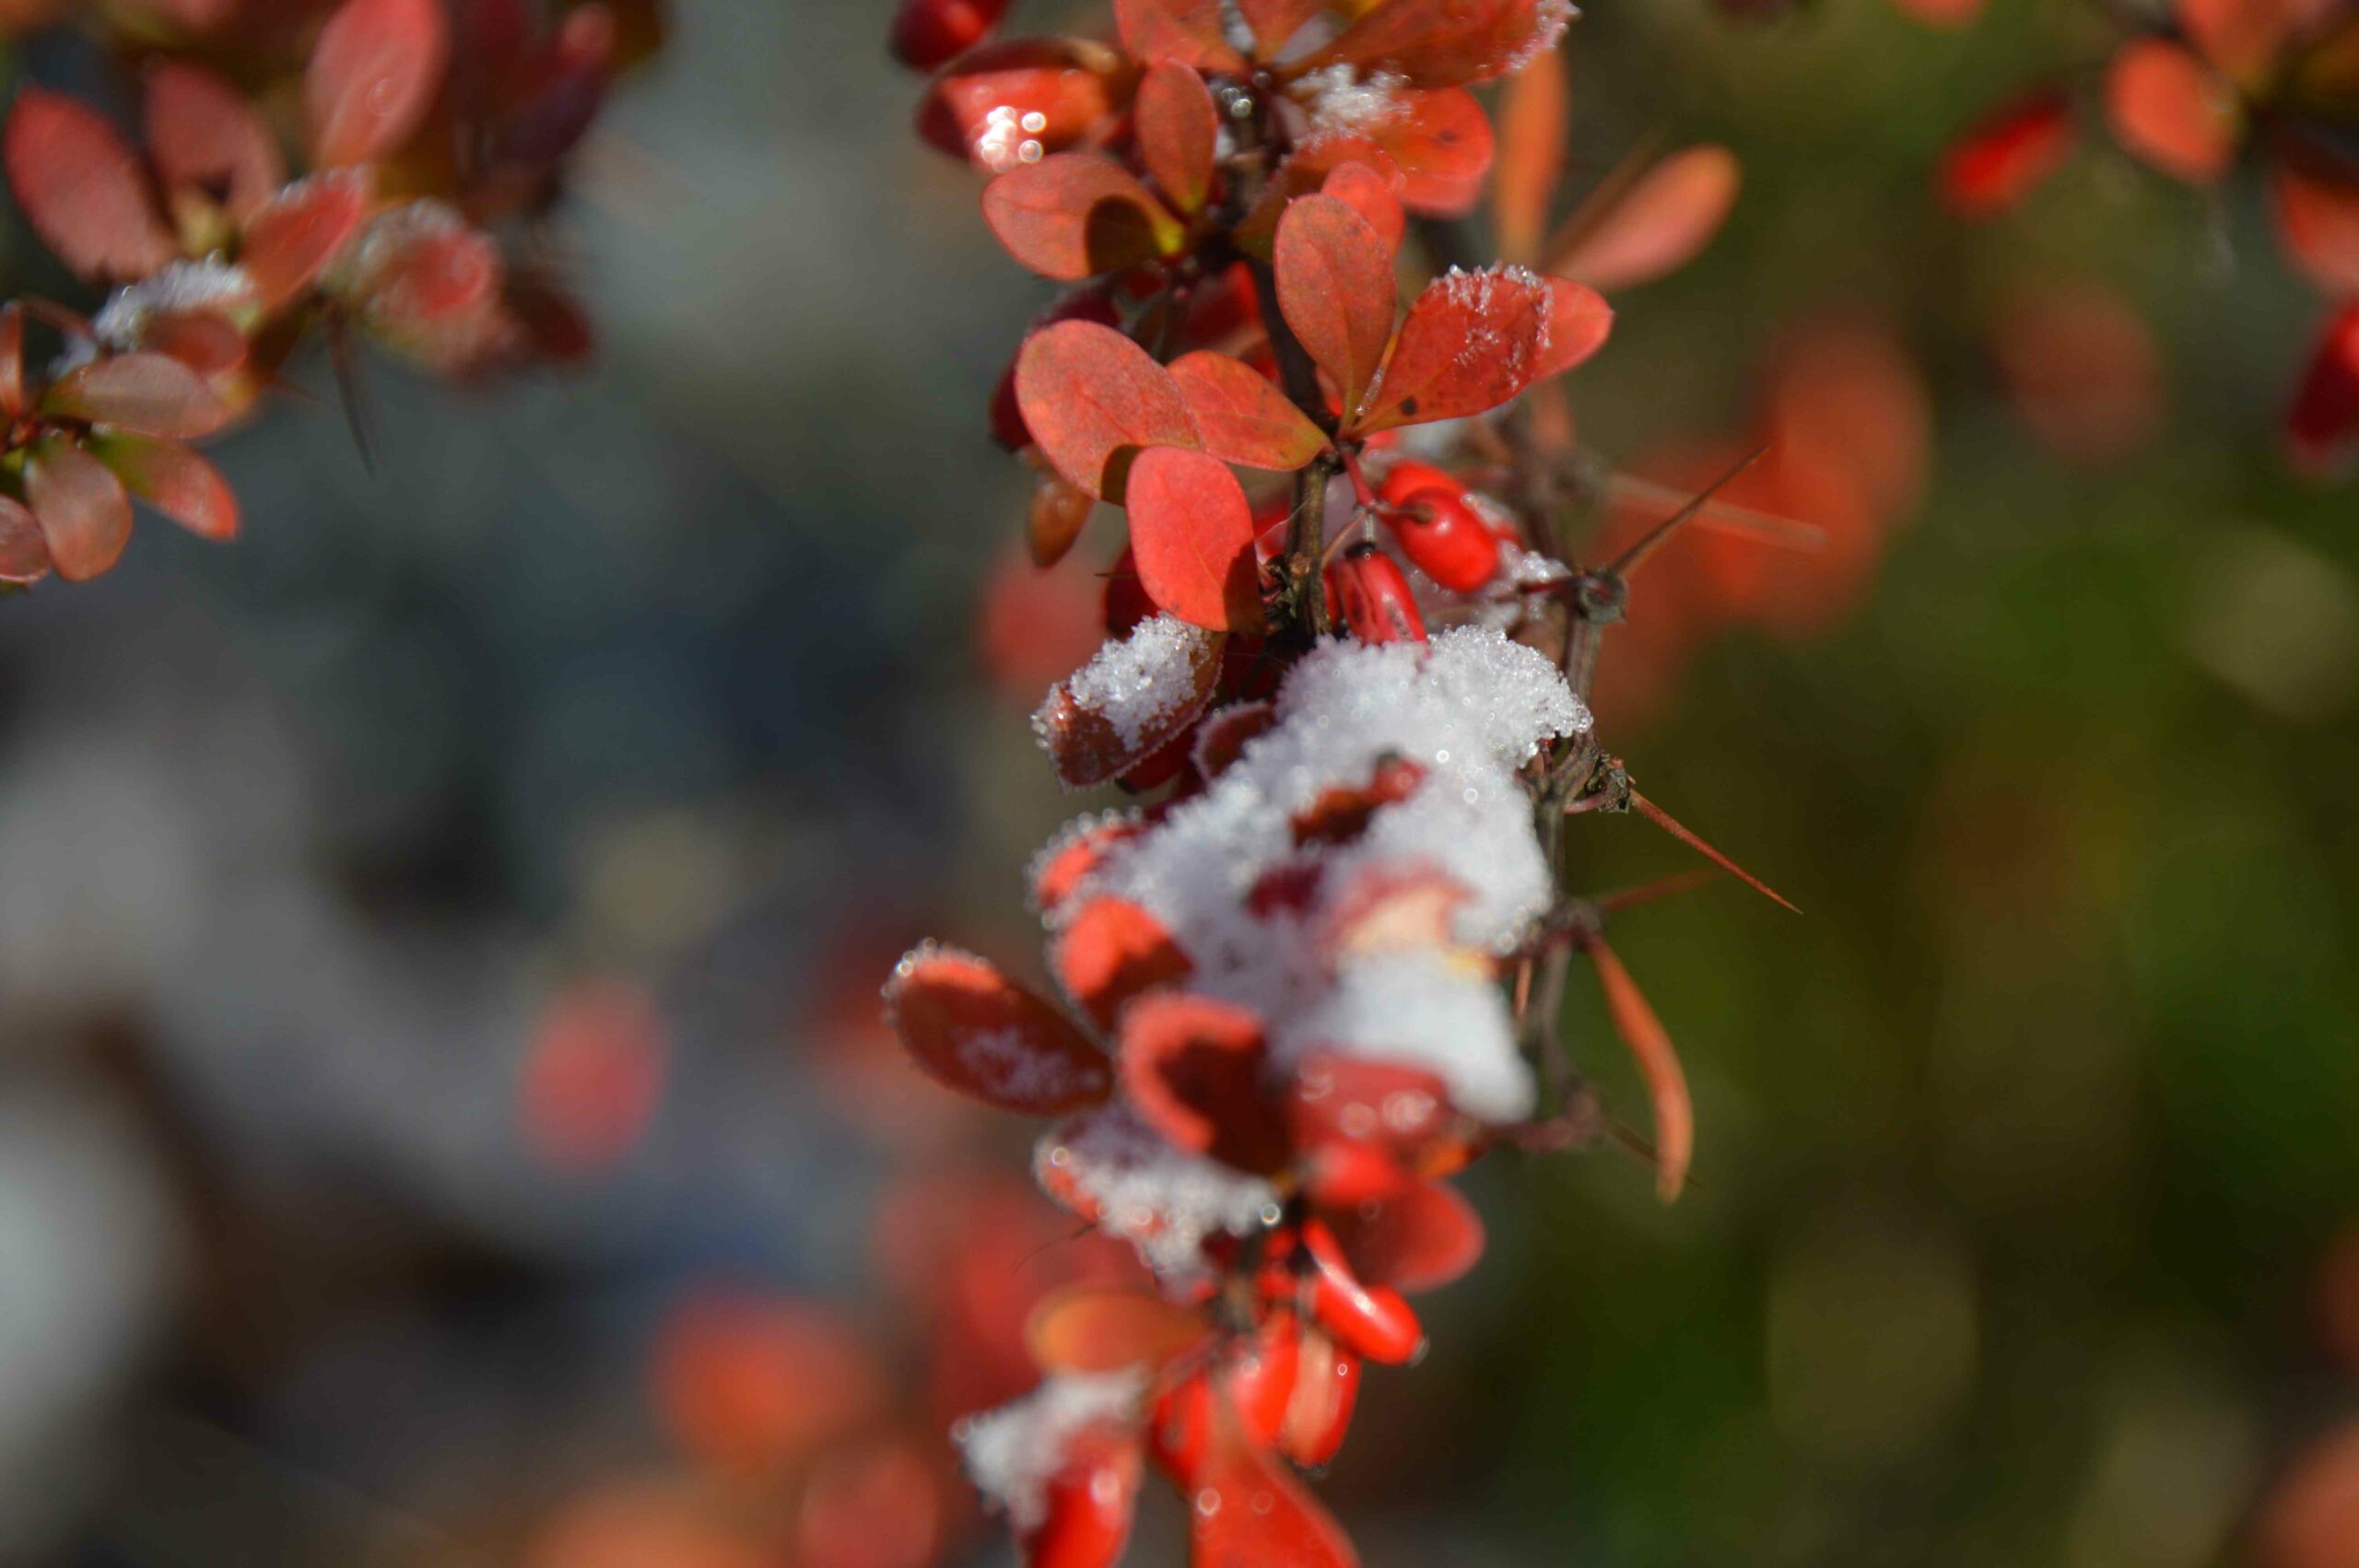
2317,222
1177,128
1418,1239
1006,104
1334,285
1441,142
980,1032
1193,1067
84,513
1308,169
1373,196
2171,111
1180,32
1656,225
373,74
1580,321
1111,951
82,188
204,136
1072,215
2007,155
1275,22
2244,38
1100,1329
1658,1061
150,395
1092,399
1535,112
173,480
23,553
1471,341
1241,417
1192,531
299,231
1054,519
1440,43
1135,697
1250,1512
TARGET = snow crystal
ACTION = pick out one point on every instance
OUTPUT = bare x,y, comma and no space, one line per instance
1552,17
1008,1064
1013,1452
1138,683
1339,99
1165,1202
212,282
1426,1010
1478,293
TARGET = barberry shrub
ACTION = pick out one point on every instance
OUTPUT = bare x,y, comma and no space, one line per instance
1317,966
432,138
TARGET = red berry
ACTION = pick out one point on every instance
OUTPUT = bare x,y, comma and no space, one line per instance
1326,1387
1448,542
1373,1321
1088,1507
1261,1376
1373,597
1181,1429
929,33
1409,477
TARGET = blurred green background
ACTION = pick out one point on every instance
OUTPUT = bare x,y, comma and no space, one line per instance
2025,1153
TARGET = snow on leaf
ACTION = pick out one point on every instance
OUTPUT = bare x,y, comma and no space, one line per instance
1135,1185
1135,693
1092,398
1013,1453
978,1032
1177,127
1334,285
1580,321
1191,532
1191,1066
1471,341
1440,43
1241,417
1655,226
373,75
82,188
1072,215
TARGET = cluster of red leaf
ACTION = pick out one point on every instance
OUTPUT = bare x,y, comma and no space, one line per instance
421,129
2212,85
1321,971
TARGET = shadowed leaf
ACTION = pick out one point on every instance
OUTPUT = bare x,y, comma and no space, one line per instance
1072,215
206,136
1177,129
1111,951
151,394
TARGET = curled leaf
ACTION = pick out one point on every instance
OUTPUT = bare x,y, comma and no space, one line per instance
1658,1061
978,1032
1132,699
1193,1067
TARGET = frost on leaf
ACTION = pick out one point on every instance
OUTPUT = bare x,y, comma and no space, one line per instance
1119,1172
980,1032
1012,1453
1131,698
1471,341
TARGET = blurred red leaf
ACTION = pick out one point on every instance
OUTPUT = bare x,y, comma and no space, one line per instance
175,481
1334,285
1006,104
373,75
2322,426
1193,1067
23,553
1371,194
1059,869
1180,32
1418,1239
1440,43
1095,730
2170,110
1250,1512
1471,341
1275,22
2245,37
1191,532
2007,155
1580,321
594,1072
1441,142
1091,398
1241,417
149,394
297,232
2317,222
82,188
1072,215
1535,112
1097,1329
204,136
1658,1061
2081,369
748,1383
83,512
1177,127
1111,951
1655,226
2310,1518
12,359
978,1032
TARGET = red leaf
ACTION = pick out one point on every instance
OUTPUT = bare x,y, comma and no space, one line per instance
1655,227
980,1032
1241,418
1193,1067
1133,699
23,553
1307,169
1006,104
1110,952
1091,398
1658,1062
1060,868
2317,222
1100,1328
82,188
1440,43
1471,341
1055,518
174,481
201,340
2244,38
150,395
2322,428
1351,1099
1371,194
1275,22
299,231
1535,115
1419,1239
2004,156
1335,278
1580,321
1076,215
12,359
1250,1512
1221,738
84,513
2170,110
373,74
1441,141
205,137
1192,535
1179,32
1177,127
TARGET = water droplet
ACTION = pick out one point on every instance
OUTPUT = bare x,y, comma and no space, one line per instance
1208,1503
